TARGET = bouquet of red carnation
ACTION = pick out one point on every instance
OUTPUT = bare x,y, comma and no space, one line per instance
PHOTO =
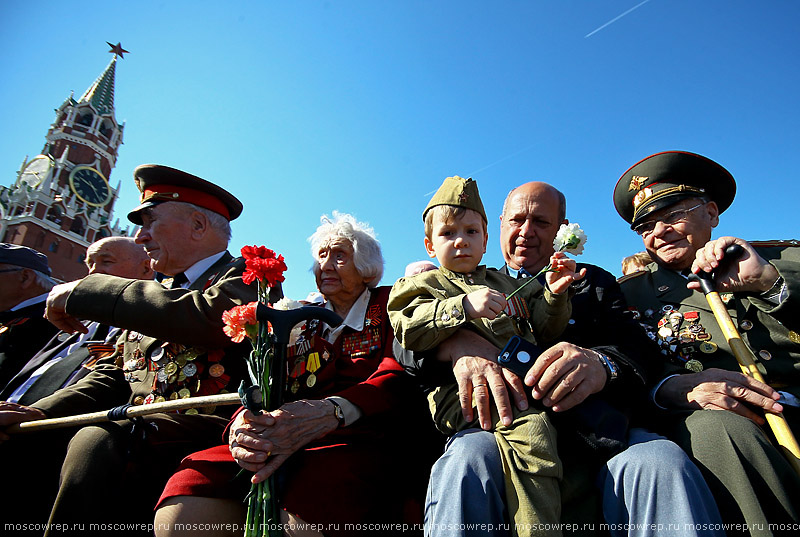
264,266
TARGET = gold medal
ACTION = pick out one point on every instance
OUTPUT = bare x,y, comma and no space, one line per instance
311,380
173,396
192,411
159,399
171,368
138,400
708,347
694,365
184,393
794,336
295,386
216,370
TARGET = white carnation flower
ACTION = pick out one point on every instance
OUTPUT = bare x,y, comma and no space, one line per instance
287,304
570,238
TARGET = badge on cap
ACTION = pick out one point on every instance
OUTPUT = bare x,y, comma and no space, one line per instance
636,182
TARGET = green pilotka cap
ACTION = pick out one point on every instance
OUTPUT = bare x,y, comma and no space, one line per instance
458,192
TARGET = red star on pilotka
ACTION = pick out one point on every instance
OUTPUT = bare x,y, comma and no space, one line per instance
463,197
117,49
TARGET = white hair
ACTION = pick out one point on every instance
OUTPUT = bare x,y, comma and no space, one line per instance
367,255
216,221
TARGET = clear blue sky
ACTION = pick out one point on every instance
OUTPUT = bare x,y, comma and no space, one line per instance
305,107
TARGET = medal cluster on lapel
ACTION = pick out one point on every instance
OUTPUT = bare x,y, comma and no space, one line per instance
680,336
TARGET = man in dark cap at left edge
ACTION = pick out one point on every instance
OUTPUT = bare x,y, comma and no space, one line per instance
24,284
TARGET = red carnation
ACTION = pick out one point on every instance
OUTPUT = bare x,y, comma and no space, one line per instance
263,265
239,320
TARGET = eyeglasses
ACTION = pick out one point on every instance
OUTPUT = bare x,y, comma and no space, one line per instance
669,219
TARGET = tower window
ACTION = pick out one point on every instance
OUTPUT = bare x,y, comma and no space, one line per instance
55,214
78,227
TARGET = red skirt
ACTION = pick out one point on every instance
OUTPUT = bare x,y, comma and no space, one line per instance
346,478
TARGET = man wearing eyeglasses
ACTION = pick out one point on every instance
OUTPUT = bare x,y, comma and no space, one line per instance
673,200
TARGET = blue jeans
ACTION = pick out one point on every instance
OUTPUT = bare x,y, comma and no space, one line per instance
651,488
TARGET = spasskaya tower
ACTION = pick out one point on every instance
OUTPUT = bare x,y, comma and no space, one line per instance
62,200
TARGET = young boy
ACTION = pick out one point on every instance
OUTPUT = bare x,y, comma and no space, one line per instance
427,308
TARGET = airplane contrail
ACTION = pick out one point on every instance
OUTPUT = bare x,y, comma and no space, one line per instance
615,19
429,194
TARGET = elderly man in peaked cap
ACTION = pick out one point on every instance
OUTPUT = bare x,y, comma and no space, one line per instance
24,284
173,347
673,200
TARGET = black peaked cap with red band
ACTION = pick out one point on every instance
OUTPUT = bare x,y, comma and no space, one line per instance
159,183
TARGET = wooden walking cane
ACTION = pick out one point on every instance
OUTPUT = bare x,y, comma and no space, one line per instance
282,323
125,412
747,362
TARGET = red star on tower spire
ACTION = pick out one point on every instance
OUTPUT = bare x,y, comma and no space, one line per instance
117,49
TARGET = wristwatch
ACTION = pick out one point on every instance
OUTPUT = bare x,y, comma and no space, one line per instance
611,367
337,411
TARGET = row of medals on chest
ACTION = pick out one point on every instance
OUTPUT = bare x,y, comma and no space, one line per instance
306,361
174,365
679,334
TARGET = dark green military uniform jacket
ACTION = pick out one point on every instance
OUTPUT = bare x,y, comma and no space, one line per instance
184,352
681,322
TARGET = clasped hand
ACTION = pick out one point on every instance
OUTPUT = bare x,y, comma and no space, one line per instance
262,443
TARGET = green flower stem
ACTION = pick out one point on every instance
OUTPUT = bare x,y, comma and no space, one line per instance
548,268
262,507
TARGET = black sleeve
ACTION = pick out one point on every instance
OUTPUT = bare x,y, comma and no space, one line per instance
601,321
427,371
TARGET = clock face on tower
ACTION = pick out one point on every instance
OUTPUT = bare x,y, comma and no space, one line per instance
36,171
89,185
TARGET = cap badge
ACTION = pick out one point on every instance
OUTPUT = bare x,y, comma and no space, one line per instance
463,197
641,196
636,182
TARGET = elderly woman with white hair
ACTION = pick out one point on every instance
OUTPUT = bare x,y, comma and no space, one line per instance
351,443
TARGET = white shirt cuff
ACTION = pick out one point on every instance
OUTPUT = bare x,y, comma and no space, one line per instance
351,412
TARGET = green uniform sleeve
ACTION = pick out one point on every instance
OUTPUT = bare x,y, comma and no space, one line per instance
186,316
423,317
551,314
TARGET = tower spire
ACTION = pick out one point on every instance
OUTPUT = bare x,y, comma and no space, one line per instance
101,93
